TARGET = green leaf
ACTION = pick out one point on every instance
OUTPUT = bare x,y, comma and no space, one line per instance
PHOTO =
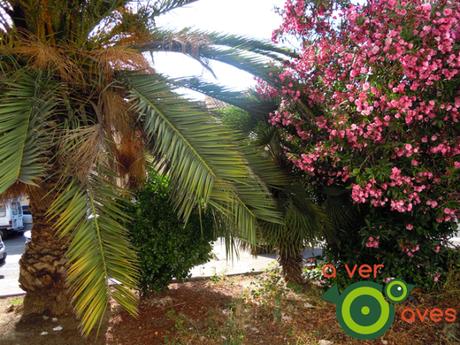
202,157
25,130
255,106
163,6
246,54
93,218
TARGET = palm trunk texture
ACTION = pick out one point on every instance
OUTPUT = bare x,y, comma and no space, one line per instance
43,264
291,264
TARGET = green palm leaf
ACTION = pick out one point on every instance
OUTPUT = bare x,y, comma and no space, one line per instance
265,168
92,217
25,130
163,6
204,47
204,162
189,40
250,103
245,43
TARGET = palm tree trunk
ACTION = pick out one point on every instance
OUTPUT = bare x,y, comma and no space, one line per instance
291,264
43,264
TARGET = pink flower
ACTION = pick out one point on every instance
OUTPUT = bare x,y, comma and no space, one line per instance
432,203
426,7
366,122
409,227
373,242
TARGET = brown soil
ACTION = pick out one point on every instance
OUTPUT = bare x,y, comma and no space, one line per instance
230,311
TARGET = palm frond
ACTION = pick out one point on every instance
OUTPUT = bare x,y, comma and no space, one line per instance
248,44
201,47
25,130
244,101
163,6
264,167
203,161
192,40
304,221
79,149
251,202
301,226
93,218
253,64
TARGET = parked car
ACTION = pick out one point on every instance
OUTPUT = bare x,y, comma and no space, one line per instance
2,252
27,217
11,217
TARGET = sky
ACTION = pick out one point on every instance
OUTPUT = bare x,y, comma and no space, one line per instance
253,18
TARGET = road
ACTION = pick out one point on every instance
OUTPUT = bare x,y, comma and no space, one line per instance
10,271
242,263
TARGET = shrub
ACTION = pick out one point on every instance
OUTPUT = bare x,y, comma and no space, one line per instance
167,248
383,239
372,105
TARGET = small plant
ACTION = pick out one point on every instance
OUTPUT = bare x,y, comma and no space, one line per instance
15,301
217,278
179,320
314,273
167,248
270,290
233,328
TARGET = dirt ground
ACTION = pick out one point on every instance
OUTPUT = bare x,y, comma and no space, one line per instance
232,310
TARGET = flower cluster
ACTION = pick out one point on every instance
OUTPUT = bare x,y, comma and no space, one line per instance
372,104
373,242
411,249
381,82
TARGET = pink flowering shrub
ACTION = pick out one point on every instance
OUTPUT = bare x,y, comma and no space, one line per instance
372,104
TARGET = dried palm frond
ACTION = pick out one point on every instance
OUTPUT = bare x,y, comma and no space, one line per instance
117,117
121,57
80,149
131,161
43,55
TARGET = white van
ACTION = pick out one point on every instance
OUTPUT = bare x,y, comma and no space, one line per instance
11,217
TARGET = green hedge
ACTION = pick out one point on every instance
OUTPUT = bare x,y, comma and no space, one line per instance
167,248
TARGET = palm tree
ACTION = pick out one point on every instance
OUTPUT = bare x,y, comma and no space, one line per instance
81,111
304,220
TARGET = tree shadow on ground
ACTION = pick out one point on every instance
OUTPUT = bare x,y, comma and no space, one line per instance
159,313
38,330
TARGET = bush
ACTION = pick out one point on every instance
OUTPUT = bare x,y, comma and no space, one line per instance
167,247
420,255
372,105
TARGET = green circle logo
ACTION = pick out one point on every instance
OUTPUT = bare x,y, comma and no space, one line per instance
396,291
363,312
